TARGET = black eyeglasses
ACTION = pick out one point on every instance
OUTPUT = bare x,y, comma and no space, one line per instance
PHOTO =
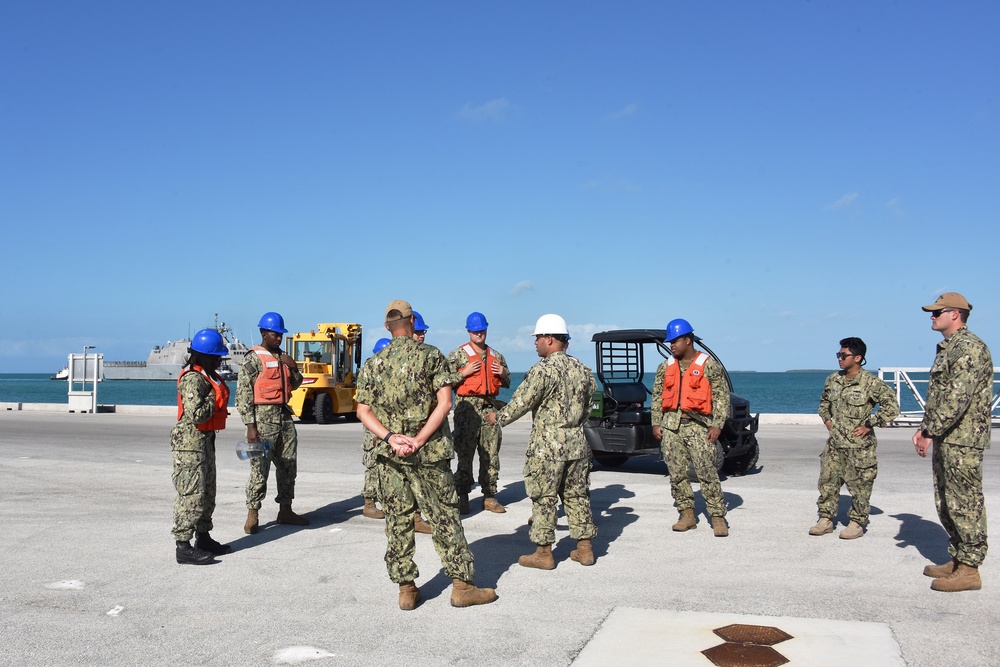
844,355
939,311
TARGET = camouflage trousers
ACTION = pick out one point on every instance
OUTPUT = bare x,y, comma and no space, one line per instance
548,481
855,467
432,485
194,479
958,496
473,433
284,454
689,444
372,489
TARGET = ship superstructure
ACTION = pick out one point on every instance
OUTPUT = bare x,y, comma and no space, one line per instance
165,363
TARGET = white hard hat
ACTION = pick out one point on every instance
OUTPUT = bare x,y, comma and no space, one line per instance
550,324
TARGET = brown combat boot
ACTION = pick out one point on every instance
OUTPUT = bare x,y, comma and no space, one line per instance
409,596
491,504
943,570
541,559
250,527
685,522
853,531
964,578
371,511
464,594
420,525
719,527
822,527
584,553
463,503
287,516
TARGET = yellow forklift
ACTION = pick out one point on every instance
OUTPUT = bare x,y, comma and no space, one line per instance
329,358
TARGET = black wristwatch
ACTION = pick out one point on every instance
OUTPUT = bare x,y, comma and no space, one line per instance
868,423
925,434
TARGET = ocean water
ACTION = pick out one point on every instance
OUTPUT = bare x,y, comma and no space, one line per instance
792,392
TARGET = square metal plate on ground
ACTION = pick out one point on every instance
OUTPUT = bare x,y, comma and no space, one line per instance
681,638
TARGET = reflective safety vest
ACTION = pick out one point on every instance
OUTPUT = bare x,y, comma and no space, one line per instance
694,392
484,382
273,385
218,420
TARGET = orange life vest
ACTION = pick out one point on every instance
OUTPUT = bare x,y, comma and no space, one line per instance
697,390
484,382
218,420
273,385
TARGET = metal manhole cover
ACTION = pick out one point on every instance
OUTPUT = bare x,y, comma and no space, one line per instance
762,635
744,655
747,646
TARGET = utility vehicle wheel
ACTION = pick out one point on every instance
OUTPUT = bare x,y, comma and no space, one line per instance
740,465
609,460
323,409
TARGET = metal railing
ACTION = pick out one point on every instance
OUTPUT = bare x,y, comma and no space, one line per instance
899,377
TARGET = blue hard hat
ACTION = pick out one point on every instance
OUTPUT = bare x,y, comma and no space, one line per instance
677,328
418,322
272,322
209,341
379,344
476,322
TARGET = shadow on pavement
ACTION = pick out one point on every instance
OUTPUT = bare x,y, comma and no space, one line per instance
652,464
645,464
610,518
327,515
844,507
337,512
732,501
507,495
929,538
269,531
496,554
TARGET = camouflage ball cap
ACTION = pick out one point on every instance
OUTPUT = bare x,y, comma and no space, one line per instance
402,306
949,300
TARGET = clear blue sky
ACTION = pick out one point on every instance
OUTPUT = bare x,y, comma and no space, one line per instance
782,174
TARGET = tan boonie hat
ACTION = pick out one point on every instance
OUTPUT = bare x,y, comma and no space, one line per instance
402,306
949,300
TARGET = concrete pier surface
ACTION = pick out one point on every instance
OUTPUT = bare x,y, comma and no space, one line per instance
89,576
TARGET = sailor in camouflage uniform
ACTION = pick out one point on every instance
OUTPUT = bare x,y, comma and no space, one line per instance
483,372
404,396
957,419
557,390
265,383
372,491
845,407
689,415
202,397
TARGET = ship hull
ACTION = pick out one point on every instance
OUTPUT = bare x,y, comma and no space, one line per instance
156,372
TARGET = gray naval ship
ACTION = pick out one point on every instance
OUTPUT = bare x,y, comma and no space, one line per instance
165,363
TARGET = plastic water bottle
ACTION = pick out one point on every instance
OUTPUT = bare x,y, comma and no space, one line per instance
267,447
249,450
